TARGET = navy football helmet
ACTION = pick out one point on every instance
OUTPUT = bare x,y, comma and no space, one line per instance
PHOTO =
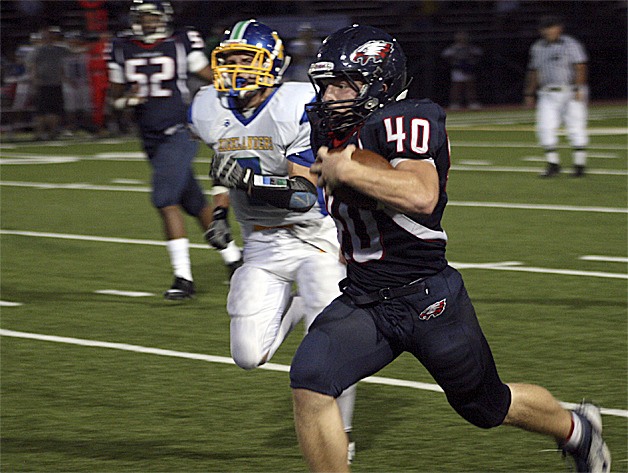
267,65
151,20
357,53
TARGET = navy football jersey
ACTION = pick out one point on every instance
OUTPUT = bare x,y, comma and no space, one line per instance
386,248
161,71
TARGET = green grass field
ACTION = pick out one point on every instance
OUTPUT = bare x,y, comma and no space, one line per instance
94,381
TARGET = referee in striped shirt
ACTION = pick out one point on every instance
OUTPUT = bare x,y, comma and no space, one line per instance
557,78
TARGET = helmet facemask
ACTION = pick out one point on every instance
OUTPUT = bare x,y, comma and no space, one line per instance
265,69
340,115
240,77
151,21
357,53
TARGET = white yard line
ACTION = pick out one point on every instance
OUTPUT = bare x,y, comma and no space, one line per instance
10,304
499,205
498,266
225,360
606,259
115,292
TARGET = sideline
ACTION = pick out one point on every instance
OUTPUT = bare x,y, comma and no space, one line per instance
229,361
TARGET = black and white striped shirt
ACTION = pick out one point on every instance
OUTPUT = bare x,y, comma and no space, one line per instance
554,62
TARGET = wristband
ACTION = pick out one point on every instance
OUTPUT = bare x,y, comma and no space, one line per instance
218,190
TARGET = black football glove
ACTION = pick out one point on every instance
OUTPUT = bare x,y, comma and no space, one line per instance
227,172
218,234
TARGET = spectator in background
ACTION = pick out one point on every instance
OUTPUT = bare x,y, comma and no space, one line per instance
99,81
557,75
302,50
23,98
463,58
76,90
47,78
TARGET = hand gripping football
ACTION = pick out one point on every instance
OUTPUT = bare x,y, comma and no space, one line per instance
349,195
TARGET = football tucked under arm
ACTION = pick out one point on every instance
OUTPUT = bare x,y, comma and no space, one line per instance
351,196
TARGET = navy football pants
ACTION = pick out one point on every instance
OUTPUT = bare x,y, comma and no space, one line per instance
438,325
171,158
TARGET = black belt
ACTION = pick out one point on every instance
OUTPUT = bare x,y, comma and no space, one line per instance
386,293
561,89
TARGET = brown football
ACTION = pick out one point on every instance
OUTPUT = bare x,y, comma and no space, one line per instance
351,196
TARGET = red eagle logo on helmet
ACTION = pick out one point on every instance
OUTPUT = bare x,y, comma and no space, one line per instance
373,50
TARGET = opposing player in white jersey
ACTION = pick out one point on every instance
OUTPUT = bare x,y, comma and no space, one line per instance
557,75
260,134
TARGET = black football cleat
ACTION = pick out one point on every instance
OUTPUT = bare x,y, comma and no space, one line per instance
552,170
578,171
181,289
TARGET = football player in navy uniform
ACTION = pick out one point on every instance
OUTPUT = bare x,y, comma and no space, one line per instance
400,293
148,71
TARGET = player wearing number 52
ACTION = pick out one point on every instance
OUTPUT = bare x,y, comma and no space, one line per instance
147,73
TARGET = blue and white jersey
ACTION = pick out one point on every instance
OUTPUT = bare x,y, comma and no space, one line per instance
554,62
384,247
277,132
160,71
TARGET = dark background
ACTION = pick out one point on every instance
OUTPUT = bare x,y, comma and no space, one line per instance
504,29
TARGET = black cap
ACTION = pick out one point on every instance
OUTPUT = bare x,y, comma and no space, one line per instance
550,20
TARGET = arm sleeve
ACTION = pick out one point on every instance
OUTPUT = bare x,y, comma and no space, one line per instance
300,150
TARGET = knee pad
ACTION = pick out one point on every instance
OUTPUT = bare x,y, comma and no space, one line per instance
255,317
193,199
245,348
310,365
482,408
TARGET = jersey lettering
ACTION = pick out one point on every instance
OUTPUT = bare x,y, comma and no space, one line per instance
419,134
151,85
196,40
398,135
360,226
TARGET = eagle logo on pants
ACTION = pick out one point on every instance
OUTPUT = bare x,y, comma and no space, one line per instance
434,310
376,51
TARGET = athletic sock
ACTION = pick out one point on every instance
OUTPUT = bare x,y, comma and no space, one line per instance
552,157
573,442
579,157
179,251
346,404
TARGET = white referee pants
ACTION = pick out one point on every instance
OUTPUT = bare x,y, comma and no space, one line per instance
554,109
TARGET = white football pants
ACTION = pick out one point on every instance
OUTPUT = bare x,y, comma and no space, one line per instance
554,108
260,297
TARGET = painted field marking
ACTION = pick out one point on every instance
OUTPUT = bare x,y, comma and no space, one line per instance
541,159
474,162
115,292
599,172
496,205
500,266
561,208
10,304
606,259
226,360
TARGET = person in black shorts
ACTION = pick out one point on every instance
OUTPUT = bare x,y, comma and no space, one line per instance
47,78
400,294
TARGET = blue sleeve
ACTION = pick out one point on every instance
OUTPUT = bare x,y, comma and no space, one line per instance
304,158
